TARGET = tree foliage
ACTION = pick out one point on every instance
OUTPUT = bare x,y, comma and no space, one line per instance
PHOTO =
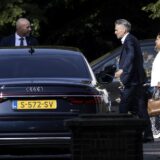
36,11
153,9
10,11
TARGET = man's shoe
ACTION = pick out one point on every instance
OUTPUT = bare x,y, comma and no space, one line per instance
148,139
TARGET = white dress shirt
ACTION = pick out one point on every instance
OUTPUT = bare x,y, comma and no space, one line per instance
124,37
17,40
155,74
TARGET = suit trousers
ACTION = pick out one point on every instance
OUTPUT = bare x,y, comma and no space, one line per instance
134,100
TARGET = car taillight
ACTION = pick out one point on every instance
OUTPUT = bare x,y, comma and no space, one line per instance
84,100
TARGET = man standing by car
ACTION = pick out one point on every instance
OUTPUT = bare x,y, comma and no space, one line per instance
22,35
132,75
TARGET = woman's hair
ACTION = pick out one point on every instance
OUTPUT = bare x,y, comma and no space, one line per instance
157,48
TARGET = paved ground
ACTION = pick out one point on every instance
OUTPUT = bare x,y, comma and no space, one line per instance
151,151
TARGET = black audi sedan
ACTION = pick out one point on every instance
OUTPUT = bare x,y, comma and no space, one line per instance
105,66
39,89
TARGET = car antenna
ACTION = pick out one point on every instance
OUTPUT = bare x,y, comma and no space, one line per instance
31,50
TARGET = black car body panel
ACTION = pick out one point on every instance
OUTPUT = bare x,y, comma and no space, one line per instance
38,91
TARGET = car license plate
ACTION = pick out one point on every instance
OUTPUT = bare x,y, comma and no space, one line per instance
34,104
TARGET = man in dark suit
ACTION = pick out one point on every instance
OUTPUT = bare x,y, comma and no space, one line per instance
22,35
132,75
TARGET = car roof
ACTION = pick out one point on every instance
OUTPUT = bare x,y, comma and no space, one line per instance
40,50
147,42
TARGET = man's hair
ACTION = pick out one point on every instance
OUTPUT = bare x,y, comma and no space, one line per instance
125,23
20,20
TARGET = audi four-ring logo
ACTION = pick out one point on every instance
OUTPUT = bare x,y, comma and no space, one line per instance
34,89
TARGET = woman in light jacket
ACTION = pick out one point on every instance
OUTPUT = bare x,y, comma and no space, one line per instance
155,82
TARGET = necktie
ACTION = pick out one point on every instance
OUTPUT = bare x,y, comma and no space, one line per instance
21,41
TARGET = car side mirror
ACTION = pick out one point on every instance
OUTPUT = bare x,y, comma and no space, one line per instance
110,69
103,77
107,75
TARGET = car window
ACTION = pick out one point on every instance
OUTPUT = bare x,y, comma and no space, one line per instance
148,57
40,65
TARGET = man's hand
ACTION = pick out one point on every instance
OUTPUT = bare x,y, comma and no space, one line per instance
118,73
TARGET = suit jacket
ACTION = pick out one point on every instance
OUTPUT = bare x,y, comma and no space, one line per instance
131,61
10,41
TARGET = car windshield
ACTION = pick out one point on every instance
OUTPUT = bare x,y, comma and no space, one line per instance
43,66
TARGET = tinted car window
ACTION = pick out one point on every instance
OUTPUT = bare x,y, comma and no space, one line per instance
56,65
148,57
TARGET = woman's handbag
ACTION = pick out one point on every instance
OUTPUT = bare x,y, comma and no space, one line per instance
154,104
